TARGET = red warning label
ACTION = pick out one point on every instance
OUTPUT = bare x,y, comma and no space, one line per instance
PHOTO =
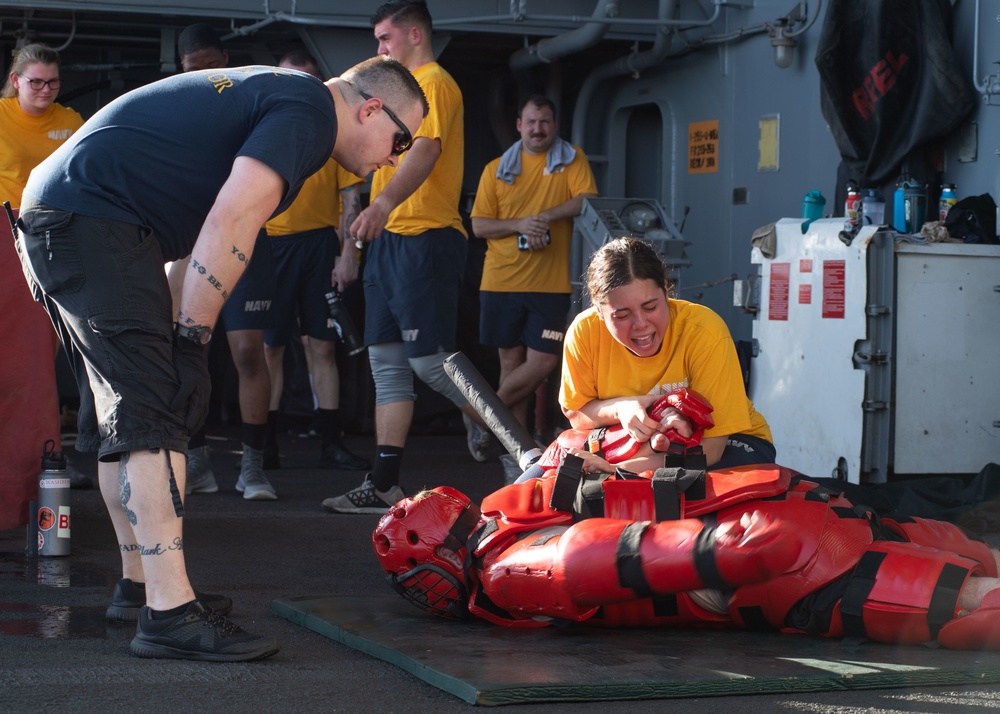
833,288
777,299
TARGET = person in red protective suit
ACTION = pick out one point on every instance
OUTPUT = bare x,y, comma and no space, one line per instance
757,547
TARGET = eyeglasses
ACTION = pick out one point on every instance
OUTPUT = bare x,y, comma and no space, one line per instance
402,139
37,84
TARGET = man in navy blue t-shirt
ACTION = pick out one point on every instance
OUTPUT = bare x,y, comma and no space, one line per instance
193,164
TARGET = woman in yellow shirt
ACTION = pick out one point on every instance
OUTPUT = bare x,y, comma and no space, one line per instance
32,125
635,344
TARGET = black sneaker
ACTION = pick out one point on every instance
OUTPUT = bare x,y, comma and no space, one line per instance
129,596
201,634
336,456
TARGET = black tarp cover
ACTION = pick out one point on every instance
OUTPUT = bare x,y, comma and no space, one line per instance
889,81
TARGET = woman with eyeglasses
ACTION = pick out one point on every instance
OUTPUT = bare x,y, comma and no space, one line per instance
32,125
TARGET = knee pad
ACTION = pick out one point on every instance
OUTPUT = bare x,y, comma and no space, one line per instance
430,369
944,536
391,372
904,593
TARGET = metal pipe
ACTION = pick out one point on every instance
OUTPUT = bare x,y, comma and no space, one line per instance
990,84
634,62
553,48
72,34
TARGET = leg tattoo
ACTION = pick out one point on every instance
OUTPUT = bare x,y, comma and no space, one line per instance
125,489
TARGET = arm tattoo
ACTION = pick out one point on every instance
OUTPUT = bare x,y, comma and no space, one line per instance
352,207
213,281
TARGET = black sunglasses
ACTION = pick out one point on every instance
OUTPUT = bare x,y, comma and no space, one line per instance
402,139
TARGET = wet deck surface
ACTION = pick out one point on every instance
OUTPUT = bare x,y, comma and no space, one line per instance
57,652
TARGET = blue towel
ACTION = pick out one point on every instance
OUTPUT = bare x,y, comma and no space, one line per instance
559,156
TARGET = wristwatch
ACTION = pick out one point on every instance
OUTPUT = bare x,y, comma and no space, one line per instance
199,334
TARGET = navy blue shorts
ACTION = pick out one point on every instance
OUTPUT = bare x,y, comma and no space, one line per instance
104,286
746,450
249,306
536,320
412,284
303,263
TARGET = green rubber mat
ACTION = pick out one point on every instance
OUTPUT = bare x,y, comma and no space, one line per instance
488,665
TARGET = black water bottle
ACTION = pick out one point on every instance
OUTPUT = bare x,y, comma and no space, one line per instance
343,324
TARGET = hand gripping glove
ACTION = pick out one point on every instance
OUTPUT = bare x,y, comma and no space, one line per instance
692,405
618,446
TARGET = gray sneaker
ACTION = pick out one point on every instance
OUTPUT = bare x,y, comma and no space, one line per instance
200,478
477,439
365,499
253,484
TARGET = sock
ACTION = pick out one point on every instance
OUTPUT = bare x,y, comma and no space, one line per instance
253,435
385,472
167,614
328,425
271,433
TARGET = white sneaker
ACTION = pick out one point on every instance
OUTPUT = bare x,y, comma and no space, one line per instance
477,439
365,499
252,483
200,477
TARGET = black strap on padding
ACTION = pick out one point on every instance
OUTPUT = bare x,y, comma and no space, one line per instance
477,537
942,606
595,439
705,563
568,477
461,529
665,606
668,486
628,561
592,495
753,618
859,587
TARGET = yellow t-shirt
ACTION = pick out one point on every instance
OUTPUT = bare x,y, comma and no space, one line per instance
508,269
27,140
697,352
318,204
435,203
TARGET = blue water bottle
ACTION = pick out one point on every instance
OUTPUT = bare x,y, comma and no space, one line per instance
899,203
948,199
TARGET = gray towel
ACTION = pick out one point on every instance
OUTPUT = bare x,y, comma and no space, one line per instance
559,156
766,238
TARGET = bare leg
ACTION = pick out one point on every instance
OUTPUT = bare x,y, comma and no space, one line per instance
975,590
521,371
392,423
137,493
275,358
247,347
322,360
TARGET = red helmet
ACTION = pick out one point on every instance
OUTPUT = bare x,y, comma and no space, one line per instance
421,545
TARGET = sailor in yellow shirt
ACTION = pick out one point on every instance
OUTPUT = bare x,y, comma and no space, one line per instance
311,258
524,208
635,344
32,126
416,261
